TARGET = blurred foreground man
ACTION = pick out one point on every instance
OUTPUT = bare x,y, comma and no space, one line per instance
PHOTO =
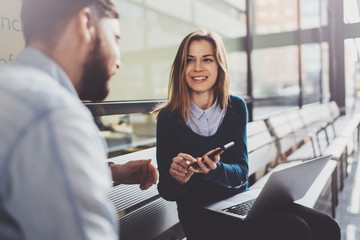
53,171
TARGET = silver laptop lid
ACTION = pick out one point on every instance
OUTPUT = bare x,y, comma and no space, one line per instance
289,184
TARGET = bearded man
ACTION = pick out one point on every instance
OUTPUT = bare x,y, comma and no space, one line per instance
53,170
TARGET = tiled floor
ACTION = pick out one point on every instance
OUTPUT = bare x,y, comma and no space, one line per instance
348,210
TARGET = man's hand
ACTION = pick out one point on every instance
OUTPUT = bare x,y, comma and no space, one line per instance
135,172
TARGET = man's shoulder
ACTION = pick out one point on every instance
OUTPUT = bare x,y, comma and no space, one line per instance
37,90
29,96
32,102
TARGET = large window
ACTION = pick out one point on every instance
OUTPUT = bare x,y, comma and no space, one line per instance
153,29
289,53
151,32
289,63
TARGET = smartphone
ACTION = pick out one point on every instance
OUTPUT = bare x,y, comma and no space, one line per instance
211,155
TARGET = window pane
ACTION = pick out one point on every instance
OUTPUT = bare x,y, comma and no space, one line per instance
325,72
275,71
238,72
313,13
151,33
352,71
351,11
274,16
311,70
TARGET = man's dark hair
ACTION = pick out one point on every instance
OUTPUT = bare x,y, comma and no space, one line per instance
46,19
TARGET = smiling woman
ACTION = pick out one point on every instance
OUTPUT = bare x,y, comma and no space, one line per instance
200,116
201,70
200,54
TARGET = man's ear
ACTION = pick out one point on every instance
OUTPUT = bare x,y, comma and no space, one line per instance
86,24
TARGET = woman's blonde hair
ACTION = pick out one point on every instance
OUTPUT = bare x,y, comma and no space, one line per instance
179,92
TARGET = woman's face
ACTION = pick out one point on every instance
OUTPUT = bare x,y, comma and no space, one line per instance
202,69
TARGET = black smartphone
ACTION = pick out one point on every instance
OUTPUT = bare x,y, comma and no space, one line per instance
211,155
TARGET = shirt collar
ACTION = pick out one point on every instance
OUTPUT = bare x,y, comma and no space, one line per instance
198,112
33,57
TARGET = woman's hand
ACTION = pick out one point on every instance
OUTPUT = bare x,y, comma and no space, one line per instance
208,164
179,168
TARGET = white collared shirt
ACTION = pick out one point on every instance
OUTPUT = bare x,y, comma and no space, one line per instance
205,122
53,172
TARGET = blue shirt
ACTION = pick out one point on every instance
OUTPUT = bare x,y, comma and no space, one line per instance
205,122
53,172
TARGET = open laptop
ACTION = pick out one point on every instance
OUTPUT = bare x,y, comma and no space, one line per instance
283,186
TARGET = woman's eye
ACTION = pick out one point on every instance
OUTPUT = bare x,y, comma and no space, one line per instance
190,60
208,60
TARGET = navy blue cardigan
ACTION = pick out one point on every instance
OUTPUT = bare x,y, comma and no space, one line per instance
231,172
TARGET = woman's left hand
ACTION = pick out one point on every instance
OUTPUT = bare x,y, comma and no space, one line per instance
208,164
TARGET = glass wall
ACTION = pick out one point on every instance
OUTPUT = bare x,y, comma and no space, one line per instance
287,45
287,59
152,31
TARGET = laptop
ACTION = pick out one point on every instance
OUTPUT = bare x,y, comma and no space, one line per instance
287,184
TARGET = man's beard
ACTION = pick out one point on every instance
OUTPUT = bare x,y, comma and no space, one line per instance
93,85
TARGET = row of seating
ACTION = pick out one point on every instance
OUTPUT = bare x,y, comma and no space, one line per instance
273,143
302,134
322,131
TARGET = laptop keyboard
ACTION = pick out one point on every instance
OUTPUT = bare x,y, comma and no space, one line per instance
240,209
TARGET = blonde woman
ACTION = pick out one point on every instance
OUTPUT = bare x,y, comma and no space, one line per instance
200,116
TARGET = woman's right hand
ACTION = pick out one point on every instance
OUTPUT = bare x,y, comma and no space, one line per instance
179,168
